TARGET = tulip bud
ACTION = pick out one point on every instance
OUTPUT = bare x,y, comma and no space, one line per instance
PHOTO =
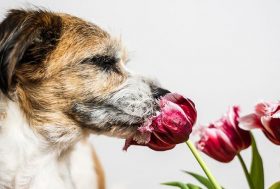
223,139
267,118
172,124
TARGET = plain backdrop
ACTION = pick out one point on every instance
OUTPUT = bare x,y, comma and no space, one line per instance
218,53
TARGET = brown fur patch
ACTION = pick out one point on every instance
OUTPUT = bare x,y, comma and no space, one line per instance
99,171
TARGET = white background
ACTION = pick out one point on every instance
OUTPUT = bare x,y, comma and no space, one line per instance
218,53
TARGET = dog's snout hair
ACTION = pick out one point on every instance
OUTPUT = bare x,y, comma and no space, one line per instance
121,112
134,97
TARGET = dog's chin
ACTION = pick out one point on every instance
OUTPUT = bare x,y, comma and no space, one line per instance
124,128
122,131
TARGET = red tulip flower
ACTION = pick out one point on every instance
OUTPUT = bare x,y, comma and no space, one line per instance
267,118
172,124
223,139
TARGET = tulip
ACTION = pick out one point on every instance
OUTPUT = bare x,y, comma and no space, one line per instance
171,125
223,139
267,118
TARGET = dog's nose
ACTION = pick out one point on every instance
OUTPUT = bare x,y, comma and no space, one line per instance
159,92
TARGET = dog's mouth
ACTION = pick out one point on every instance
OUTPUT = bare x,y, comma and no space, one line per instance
109,119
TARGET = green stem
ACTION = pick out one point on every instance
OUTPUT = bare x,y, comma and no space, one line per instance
248,177
202,164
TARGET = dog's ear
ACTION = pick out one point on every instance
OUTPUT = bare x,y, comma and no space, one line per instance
26,37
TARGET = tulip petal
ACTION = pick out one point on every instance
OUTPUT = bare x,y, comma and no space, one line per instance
215,145
159,145
233,115
271,128
266,108
261,108
187,105
251,121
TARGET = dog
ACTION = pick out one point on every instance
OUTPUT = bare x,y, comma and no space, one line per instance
62,79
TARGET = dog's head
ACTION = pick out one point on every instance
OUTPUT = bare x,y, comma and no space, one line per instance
68,76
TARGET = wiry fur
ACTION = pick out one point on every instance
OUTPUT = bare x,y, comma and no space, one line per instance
63,78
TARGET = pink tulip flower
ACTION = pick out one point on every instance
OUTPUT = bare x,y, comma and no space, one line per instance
223,139
267,118
172,124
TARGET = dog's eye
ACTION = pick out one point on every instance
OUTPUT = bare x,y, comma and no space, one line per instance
105,62
105,59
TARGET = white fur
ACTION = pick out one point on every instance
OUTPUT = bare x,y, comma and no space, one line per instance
26,161
82,172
